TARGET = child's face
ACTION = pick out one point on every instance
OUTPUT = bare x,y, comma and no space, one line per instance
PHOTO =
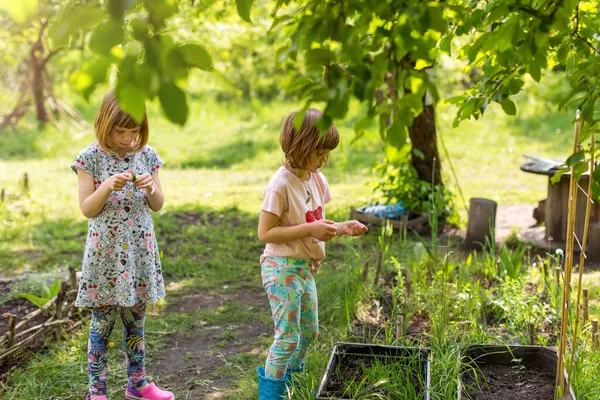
123,138
317,160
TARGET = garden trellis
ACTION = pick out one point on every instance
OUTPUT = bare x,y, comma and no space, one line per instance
573,240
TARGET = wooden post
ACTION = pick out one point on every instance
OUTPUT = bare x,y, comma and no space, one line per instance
532,333
586,309
482,222
365,269
12,321
595,326
72,281
399,327
25,182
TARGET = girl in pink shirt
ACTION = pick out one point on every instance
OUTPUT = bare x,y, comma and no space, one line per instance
292,223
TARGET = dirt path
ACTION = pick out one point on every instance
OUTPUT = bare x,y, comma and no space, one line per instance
192,364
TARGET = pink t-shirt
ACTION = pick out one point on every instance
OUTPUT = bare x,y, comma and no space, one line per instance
296,202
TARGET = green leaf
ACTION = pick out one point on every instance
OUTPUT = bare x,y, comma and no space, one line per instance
580,168
90,75
243,8
576,158
106,36
72,20
196,56
508,106
558,174
38,301
173,102
515,85
19,10
160,10
397,133
117,8
132,99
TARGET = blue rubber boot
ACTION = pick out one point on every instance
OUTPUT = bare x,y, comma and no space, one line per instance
269,389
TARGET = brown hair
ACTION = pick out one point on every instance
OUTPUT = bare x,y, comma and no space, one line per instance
297,144
110,115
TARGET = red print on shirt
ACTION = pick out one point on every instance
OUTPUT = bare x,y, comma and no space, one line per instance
312,216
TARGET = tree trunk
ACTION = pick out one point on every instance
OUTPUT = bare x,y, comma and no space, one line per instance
423,137
38,65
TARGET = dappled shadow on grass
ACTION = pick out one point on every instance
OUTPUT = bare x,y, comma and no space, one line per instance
229,154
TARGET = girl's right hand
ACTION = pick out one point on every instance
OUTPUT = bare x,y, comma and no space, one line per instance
116,183
323,230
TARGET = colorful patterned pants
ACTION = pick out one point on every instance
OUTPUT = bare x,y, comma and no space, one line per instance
103,321
292,293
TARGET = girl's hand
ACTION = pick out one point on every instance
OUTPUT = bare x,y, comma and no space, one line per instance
323,230
116,183
145,181
351,228
315,266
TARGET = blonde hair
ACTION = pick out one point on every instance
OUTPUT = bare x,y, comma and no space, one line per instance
297,144
110,115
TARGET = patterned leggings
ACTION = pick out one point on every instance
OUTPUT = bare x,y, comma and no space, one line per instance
292,294
103,321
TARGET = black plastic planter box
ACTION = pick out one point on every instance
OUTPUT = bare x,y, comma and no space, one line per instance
536,365
345,354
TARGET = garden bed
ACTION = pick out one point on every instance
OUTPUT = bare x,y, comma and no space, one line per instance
509,372
393,372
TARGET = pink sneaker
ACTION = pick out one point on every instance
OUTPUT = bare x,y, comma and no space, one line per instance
89,397
150,392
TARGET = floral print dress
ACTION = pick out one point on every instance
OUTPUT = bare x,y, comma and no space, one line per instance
121,262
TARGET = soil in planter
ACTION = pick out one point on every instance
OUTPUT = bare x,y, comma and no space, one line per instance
395,378
501,382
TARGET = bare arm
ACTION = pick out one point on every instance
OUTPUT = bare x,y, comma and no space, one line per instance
269,232
92,200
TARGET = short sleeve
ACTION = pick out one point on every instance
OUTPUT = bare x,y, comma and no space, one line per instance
153,160
86,160
274,201
324,187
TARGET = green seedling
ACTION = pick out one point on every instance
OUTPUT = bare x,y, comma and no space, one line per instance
133,178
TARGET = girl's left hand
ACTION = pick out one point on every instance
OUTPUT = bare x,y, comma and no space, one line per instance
145,181
352,228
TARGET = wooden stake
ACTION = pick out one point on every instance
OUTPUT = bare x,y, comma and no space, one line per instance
365,269
586,306
557,278
12,321
399,327
532,333
594,326
25,182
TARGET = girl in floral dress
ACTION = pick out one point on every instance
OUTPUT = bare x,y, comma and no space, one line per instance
121,271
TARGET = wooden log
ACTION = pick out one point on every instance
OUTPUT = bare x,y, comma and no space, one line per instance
482,222
586,307
531,333
399,327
